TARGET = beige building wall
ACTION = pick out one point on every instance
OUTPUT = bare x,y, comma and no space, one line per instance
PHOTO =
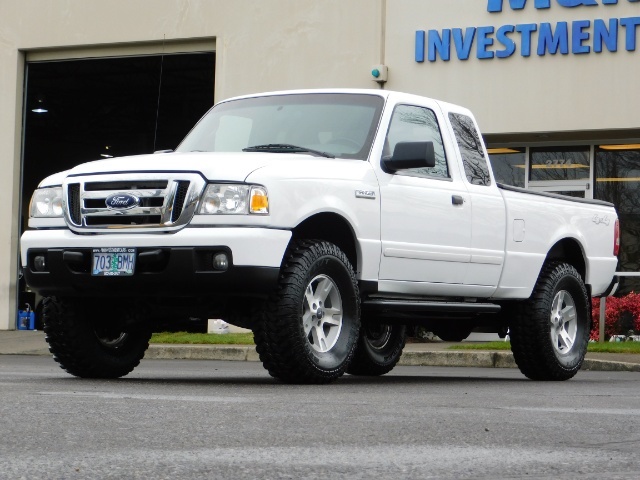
280,44
595,91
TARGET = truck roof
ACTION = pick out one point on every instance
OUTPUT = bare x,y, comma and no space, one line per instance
386,94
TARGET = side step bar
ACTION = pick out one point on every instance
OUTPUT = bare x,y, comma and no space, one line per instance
395,308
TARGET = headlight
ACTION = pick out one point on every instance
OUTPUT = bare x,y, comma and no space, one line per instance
46,203
230,199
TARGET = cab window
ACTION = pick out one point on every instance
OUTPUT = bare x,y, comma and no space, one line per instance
417,124
470,146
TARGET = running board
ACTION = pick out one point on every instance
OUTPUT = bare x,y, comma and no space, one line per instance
385,308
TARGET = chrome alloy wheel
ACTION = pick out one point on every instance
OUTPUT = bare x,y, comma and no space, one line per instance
377,336
564,322
322,313
111,340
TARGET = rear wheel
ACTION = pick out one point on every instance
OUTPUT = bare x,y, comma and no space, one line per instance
307,333
379,349
550,335
92,344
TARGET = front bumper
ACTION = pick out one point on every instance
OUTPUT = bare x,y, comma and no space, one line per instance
171,265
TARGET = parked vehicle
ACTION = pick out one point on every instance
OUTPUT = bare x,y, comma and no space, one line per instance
327,221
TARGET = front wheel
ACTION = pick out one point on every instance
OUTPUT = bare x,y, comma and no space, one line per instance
90,343
549,337
307,333
379,349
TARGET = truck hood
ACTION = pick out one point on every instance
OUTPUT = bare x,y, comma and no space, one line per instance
232,167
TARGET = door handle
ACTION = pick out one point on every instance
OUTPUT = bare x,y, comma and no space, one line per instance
457,200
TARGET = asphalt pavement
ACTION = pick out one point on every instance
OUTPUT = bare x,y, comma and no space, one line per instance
437,354
194,419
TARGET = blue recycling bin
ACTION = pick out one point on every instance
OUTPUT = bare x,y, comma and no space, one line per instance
26,319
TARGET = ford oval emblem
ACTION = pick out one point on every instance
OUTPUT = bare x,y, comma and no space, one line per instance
121,201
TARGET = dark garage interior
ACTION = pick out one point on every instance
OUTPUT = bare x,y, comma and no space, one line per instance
83,110
77,111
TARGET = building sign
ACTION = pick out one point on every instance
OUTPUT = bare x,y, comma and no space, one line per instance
526,39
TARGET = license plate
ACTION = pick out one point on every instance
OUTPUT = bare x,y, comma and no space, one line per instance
113,262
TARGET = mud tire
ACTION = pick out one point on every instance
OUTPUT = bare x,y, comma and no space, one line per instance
379,349
88,346
286,343
550,334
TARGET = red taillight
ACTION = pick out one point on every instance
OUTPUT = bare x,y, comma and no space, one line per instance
616,238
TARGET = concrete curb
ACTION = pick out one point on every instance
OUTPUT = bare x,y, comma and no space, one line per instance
412,356
608,366
482,359
246,353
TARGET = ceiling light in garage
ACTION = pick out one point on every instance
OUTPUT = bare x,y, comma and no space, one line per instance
40,107
106,155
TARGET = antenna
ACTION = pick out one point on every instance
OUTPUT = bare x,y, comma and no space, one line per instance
155,132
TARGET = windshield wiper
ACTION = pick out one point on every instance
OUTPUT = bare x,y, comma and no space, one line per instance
286,148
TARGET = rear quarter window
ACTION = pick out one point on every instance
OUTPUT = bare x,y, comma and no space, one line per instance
471,151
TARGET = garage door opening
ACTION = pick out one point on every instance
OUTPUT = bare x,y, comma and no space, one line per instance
89,109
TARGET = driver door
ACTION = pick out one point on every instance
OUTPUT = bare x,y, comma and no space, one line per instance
425,214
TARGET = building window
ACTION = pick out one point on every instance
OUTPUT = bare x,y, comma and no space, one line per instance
473,159
508,165
617,173
559,163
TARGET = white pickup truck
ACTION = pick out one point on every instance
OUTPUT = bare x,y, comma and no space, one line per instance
327,221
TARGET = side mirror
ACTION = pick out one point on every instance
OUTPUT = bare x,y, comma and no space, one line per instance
410,155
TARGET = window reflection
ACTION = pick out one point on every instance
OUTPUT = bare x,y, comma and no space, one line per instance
470,146
417,124
618,182
559,163
508,165
340,124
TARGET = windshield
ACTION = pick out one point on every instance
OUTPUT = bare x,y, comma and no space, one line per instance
341,125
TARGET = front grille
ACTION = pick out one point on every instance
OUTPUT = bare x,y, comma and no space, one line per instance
181,194
126,185
162,201
144,202
74,203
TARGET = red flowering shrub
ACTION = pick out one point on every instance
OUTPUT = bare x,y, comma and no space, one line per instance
616,311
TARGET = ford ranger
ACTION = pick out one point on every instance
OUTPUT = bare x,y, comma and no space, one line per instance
327,221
